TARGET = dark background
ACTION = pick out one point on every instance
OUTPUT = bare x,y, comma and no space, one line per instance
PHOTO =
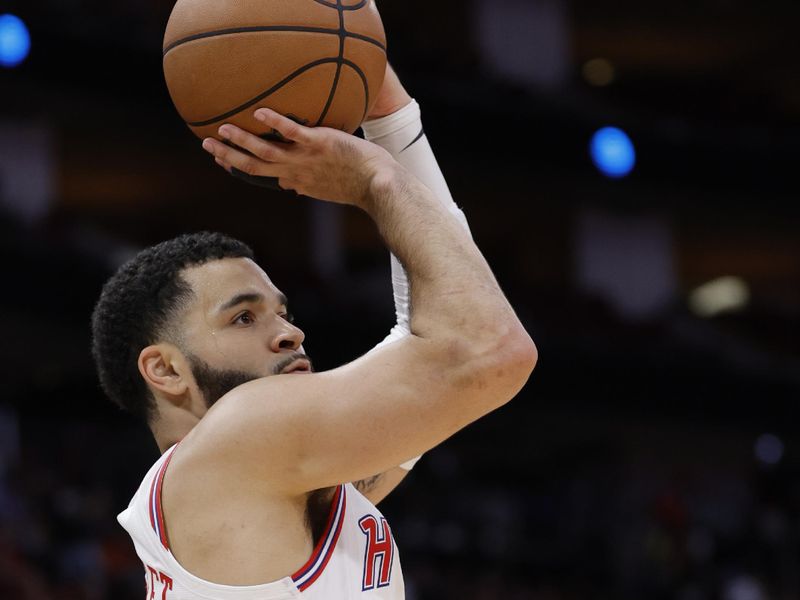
653,454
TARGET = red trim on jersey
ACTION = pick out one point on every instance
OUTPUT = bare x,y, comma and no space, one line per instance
158,482
315,555
150,503
329,553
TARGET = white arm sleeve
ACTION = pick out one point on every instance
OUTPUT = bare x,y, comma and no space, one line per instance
401,133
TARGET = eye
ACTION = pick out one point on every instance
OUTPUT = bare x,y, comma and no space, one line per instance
244,318
288,317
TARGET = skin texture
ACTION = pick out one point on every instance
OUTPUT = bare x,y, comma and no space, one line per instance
236,493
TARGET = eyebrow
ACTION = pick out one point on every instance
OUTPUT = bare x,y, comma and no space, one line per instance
253,297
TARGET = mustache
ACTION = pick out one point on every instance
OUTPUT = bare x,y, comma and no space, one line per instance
285,362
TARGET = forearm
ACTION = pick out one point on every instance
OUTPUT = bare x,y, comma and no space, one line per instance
453,289
401,133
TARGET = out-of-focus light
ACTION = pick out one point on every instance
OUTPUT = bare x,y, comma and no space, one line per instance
744,587
15,42
612,152
725,294
599,72
769,449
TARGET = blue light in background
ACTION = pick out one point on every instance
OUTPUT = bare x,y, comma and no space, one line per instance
769,449
15,42
612,152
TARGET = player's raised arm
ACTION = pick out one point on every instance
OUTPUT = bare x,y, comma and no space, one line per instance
395,124
467,353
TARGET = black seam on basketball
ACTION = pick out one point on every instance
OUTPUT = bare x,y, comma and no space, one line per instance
361,74
342,36
253,29
415,140
365,38
354,7
263,95
256,29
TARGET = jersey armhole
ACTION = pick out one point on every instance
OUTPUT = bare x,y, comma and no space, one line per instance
156,512
310,572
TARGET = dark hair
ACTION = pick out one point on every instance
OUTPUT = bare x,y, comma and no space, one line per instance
137,304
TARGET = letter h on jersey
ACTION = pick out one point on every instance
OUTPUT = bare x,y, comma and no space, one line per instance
379,552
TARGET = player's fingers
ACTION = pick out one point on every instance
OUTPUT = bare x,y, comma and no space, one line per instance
246,163
264,150
286,127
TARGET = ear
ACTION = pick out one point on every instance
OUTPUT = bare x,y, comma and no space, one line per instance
164,369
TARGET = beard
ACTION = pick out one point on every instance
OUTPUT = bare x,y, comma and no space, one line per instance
215,383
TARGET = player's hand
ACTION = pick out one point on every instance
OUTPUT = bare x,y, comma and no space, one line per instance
321,162
391,97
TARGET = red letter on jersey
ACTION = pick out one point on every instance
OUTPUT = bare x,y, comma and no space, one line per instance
167,581
153,579
156,575
380,546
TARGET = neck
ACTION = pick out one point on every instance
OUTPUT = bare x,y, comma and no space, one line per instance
171,426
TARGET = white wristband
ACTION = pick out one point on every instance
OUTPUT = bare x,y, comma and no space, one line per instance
402,134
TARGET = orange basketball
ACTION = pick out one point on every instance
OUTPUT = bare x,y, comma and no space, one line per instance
320,62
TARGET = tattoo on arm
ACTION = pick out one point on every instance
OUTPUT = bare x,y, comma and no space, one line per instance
368,484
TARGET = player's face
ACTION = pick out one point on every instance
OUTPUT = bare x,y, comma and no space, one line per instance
237,327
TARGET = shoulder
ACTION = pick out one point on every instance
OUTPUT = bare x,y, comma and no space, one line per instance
250,432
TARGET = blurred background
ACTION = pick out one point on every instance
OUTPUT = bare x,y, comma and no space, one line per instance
629,169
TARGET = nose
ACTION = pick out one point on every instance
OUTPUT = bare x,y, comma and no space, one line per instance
288,337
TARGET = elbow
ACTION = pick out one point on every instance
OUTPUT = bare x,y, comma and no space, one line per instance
519,354
498,370
529,353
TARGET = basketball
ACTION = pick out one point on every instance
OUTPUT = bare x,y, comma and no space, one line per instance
319,62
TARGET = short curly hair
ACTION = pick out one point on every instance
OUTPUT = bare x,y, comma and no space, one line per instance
136,306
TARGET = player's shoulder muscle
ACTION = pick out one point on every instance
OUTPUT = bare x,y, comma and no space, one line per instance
318,430
251,423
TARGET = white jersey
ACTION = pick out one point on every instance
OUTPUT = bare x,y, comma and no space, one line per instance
354,559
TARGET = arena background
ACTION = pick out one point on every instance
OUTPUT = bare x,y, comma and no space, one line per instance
654,453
